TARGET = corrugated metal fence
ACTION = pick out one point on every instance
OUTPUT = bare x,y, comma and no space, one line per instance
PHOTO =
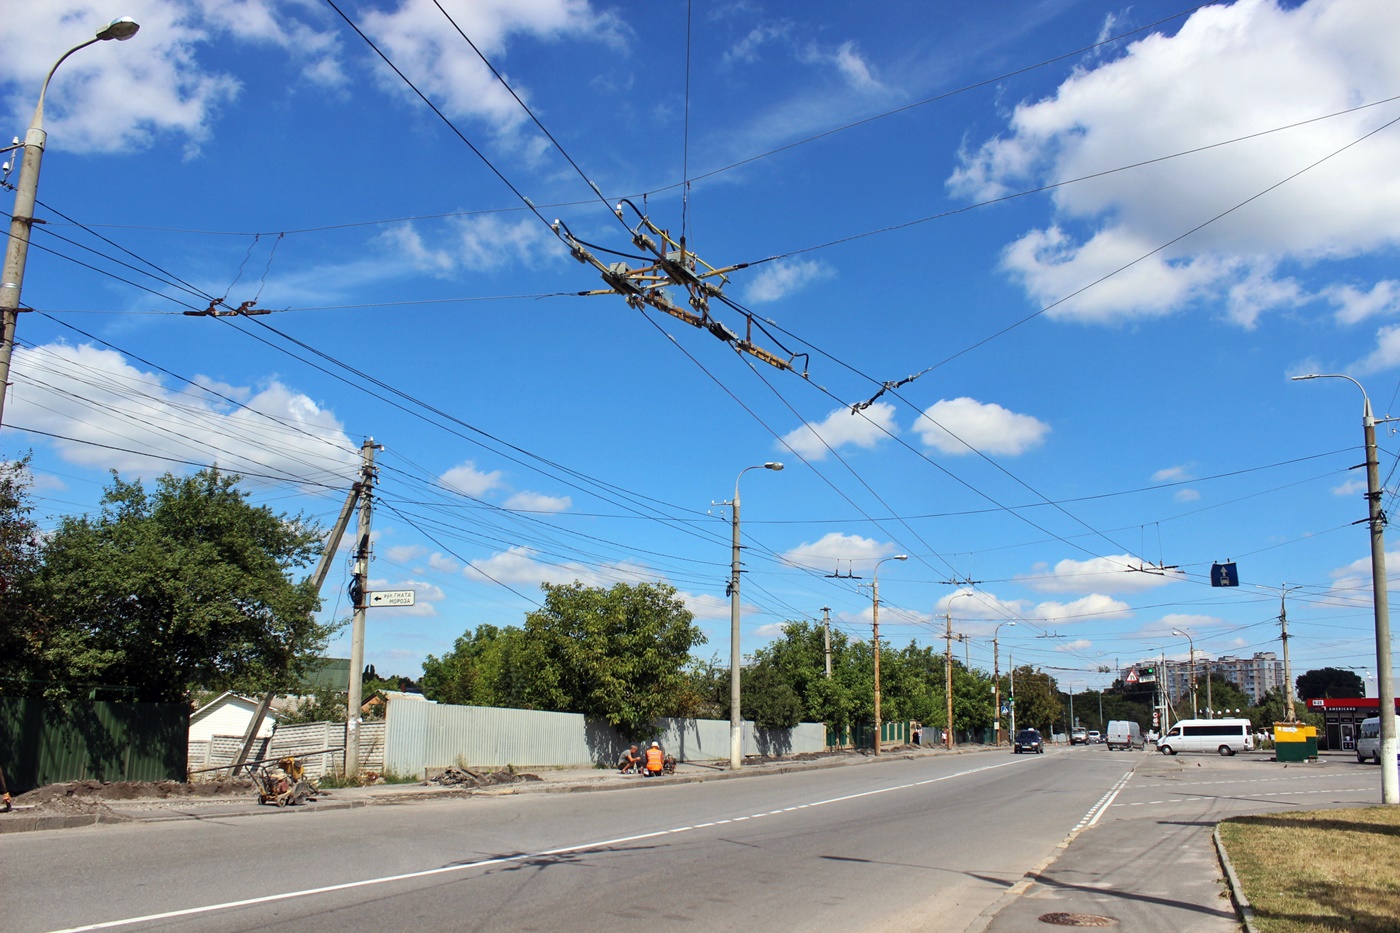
209,758
47,742
422,735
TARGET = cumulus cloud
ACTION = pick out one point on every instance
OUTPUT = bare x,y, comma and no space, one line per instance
835,550
961,425
1354,305
521,566
1092,608
110,414
779,279
1220,78
1114,574
472,244
538,502
840,428
468,480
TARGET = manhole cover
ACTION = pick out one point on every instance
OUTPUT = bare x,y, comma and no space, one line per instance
1077,920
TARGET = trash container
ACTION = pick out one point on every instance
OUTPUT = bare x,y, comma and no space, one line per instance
1295,741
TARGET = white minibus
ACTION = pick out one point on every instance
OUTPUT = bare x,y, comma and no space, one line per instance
1368,744
1225,736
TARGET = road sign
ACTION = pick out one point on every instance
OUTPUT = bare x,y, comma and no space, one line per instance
391,598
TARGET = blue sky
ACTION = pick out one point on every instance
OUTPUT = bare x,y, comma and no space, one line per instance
1101,236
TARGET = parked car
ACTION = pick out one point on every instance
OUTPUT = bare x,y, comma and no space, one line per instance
1094,737
1078,736
1028,740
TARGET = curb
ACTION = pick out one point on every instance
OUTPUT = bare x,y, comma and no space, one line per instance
1237,896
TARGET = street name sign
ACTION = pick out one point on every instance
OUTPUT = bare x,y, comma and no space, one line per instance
391,598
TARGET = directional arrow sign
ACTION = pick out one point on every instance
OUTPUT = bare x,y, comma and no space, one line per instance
391,598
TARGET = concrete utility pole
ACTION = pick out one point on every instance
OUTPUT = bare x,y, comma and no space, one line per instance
948,674
826,636
1291,713
1192,642
1210,705
996,680
1385,685
26,193
736,659
358,586
1011,683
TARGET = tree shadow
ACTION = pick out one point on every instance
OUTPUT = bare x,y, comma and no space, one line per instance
1281,821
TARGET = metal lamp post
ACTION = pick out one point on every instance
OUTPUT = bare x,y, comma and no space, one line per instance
1385,686
26,191
875,635
1192,643
736,721
996,678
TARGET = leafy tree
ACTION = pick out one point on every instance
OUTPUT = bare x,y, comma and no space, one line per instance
19,560
617,654
182,588
486,667
1273,707
1226,697
1331,682
1037,700
769,699
704,692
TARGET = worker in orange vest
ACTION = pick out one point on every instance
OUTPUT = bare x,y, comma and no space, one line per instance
656,759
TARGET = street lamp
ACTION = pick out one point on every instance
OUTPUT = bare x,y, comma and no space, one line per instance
875,636
996,677
26,191
736,722
1385,686
1193,668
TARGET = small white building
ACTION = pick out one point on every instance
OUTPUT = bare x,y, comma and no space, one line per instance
227,714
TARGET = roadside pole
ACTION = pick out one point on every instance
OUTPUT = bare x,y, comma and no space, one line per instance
357,592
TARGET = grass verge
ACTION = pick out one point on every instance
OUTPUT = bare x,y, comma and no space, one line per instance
1323,871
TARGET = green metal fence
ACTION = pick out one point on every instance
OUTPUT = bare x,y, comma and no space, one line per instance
48,742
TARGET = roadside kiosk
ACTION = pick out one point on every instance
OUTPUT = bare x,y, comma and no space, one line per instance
1295,741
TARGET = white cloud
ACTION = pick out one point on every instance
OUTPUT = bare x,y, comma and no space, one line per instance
838,552
958,426
538,502
1092,608
109,414
1172,474
473,244
1221,77
518,566
841,427
779,279
468,480
404,553
1187,495
771,630
1079,644
1355,486
415,35
1114,574
443,563
1386,354
1355,305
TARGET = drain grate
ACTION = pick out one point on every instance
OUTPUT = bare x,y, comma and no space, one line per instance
1077,920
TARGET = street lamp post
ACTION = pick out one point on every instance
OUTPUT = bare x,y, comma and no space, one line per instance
1192,643
1385,686
26,191
996,678
736,722
875,635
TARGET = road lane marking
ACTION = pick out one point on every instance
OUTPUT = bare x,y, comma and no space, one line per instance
505,859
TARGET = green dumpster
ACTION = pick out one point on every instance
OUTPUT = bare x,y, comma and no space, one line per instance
1294,741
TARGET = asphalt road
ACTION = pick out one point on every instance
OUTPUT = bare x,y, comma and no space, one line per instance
939,843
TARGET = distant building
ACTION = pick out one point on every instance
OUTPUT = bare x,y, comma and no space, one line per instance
1255,676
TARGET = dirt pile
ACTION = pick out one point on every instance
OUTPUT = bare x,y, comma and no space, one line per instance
464,777
93,796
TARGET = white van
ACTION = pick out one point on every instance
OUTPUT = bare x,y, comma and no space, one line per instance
1123,733
1225,736
1368,744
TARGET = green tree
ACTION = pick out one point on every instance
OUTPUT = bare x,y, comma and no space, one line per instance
1333,682
1038,704
185,587
19,561
618,654
486,667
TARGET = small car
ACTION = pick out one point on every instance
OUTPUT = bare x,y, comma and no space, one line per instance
1079,737
1028,740
1094,737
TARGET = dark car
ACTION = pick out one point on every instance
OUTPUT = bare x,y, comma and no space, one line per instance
1028,740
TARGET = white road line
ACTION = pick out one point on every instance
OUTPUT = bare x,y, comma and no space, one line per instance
504,860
